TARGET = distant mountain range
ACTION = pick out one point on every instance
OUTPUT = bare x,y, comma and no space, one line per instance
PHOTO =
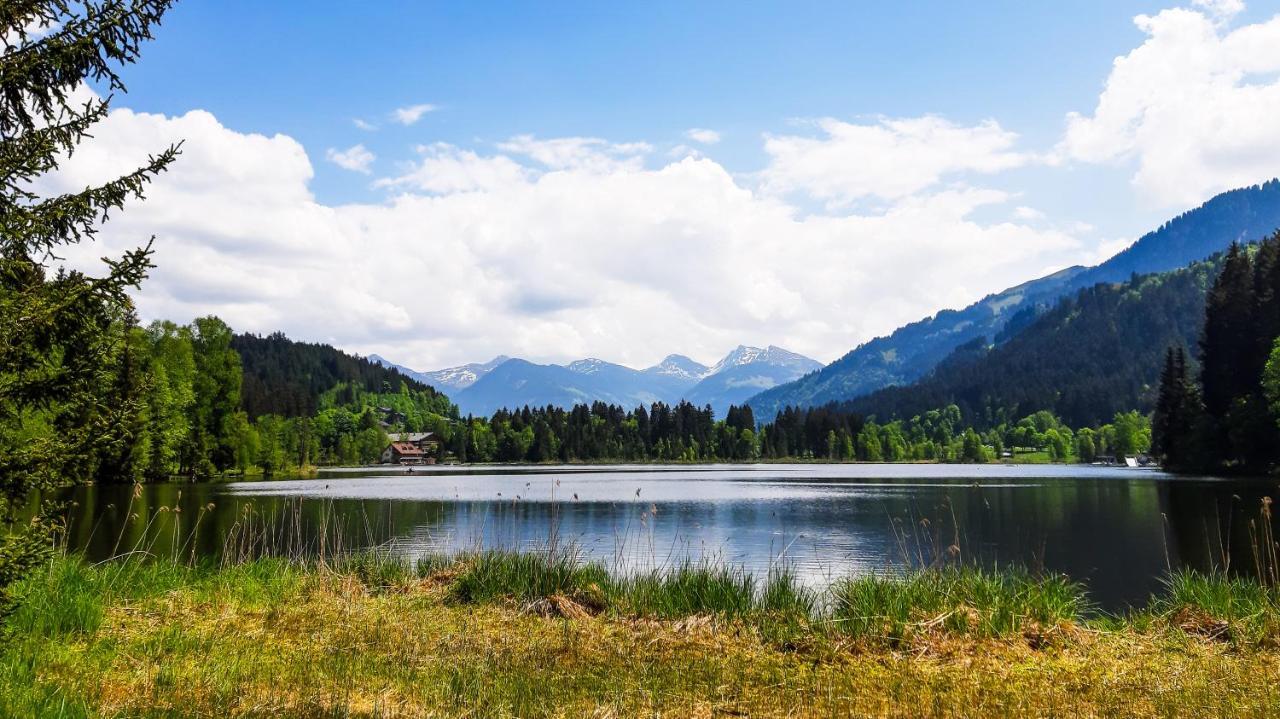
912,351
744,373
1095,353
452,378
481,389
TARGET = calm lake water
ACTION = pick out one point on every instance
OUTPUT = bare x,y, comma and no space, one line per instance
1119,530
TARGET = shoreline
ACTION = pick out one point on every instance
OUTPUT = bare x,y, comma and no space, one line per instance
315,472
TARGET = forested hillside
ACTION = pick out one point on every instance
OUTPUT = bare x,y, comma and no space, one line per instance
1246,215
205,401
1226,417
288,378
1092,355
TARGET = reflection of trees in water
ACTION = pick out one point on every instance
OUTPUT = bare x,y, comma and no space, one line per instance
1219,526
203,522
1111,534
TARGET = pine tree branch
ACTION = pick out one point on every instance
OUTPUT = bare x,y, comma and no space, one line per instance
34,153
17,17
67,219
40,311
36,78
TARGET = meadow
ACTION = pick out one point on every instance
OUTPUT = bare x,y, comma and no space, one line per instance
508,634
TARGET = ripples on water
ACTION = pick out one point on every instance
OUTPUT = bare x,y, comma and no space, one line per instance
1117,529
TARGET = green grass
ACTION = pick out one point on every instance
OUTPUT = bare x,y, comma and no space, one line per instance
371,634
684,590
961,600
1233,608
527,576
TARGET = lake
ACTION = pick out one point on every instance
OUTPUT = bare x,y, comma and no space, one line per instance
1118,530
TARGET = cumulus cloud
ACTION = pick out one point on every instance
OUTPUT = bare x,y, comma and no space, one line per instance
888,159
1194,107
444,169
411,114
578,153
704,136
546,248
356,158
1221,9
363,124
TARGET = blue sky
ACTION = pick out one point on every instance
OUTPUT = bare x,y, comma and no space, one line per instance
987,85
640,71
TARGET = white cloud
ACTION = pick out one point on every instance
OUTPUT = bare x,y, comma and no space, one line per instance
1194,107
363,124
579,153
1027,214
679,152
356,158
1221,9
411,114
445,169
704,136
889,159
550,249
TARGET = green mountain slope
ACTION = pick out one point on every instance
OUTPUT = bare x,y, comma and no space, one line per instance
288,378
1246,214
1093,354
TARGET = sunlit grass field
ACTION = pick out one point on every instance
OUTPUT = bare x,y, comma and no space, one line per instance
501,634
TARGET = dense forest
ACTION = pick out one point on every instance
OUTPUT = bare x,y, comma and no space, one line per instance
912,351
192,417
289,378
686,433
1092,355
1226,416
204,401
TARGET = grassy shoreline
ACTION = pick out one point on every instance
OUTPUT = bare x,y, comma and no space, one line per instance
501,634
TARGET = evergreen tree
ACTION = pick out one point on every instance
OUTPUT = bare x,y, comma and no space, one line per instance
61,333
1259,435
1227,345
1179,424
1266,283
1271,383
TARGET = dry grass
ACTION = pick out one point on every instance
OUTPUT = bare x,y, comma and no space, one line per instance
274,640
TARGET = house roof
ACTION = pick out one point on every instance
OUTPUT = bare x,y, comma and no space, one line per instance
405,448
412,436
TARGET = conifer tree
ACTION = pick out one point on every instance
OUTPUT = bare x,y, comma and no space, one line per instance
61,331
1228,346
1165,416
1261,436
1177,419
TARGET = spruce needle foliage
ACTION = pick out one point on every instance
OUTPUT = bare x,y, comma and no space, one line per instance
62,332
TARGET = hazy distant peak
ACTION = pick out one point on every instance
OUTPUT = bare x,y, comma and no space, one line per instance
590,365
454,378
674,365
771,355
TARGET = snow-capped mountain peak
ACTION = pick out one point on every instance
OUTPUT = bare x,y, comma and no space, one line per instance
772,355
454,378
590,365
679,366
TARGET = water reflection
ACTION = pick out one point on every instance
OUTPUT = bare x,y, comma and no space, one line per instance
1118,530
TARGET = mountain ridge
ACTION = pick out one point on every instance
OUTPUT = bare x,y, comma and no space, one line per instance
516,382
1093,354
913,350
